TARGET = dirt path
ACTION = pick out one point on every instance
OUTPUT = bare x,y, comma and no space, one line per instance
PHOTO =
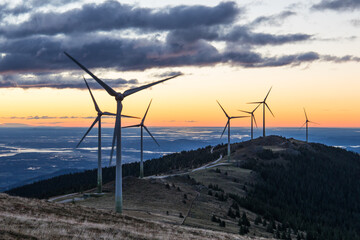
209,165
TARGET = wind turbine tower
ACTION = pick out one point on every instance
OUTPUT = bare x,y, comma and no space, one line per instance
119,97
98,119
228,126
307,125
264,104
142,126
252,120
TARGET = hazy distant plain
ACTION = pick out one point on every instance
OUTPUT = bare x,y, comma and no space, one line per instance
27,153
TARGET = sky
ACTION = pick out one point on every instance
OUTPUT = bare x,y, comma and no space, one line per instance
230,51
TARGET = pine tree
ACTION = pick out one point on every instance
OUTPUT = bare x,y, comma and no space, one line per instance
257,220
244,220
243,230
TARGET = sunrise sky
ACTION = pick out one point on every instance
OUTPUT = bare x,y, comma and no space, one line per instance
230,51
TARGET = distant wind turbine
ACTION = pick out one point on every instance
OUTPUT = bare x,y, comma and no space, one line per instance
141,125
264,104
307,127
252,119
98,119
119,97
228,126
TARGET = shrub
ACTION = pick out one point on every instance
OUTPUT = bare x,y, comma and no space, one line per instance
257,220
243,230
222,224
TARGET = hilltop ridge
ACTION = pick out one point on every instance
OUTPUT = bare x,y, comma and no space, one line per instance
285,188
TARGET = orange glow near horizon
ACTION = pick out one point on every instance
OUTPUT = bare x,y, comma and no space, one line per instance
329,94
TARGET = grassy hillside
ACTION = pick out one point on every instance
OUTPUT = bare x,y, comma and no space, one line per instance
33,219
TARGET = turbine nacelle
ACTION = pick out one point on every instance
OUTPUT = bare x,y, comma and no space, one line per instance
119,97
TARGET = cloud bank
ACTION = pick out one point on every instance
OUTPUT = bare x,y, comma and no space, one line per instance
124,37
338,5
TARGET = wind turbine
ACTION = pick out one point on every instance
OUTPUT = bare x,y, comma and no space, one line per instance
307,123
264,104
252,119
119,97
142,126
98,119
228,126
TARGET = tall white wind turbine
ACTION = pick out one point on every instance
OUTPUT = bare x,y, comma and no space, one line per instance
119,97
142,126
307,125
252,119
264,104
228,126
98,119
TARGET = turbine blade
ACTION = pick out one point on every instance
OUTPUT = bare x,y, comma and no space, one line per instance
127,116
244,111
305,115
254,103
122,115
222,109
256,108
96,106
134,90
142,121
302,125
240,117
111,91
267,94
92,125
314,123
269,109
109,114
254,120
151,135
225,128
131,126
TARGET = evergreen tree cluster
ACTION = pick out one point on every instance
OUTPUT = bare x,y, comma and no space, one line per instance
244,224
317,191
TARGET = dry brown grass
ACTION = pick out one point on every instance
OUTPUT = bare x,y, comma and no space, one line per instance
34,219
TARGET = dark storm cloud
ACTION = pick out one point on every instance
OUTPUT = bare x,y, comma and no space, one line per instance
245,36
168,74
132,54
45,53
339,5
343,59
237,34
112,15
290,60
175,37
5,10
276,19
57,81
